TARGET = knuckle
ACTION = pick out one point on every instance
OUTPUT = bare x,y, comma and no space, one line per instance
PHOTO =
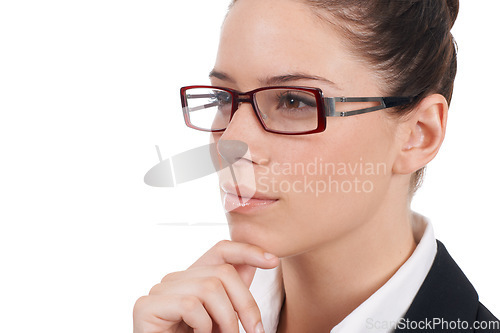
225,270
189,303
169,277
139,305
250,307
211,285
231,322
157,288
222,244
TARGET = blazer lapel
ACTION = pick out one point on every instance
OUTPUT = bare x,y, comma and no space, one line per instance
446,295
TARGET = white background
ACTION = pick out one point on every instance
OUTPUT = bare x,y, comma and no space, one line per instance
88,88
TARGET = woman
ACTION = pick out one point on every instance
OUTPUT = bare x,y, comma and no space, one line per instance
318,200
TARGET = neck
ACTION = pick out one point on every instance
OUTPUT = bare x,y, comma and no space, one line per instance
322,286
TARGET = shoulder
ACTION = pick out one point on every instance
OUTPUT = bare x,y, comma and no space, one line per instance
486,320
447,297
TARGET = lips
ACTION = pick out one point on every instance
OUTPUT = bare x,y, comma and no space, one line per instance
245,192
242,199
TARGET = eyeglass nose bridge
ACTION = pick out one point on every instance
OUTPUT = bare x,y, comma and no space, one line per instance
243,98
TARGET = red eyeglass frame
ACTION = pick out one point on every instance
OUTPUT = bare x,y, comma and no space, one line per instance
325,106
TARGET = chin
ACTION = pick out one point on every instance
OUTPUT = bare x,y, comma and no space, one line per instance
273,241
246,230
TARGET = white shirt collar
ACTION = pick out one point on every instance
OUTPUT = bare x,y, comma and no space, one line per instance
381,311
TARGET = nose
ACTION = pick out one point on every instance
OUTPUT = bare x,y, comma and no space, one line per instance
243,134
244,121
232,150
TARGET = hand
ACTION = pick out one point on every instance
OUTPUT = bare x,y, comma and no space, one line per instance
207,297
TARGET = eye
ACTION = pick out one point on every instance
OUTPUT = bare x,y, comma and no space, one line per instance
291,100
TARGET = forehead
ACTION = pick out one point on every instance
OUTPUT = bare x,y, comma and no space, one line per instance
262,38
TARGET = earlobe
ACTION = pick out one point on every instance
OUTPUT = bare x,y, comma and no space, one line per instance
425,131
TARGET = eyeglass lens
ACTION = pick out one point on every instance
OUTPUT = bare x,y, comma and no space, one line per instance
284,110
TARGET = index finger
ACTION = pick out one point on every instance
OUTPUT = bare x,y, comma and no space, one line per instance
236,253
244,257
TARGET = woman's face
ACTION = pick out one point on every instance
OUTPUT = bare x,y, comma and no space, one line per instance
326,184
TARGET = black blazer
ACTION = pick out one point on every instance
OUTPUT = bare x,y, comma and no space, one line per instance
446,294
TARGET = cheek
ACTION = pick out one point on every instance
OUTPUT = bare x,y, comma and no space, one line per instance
351,157
333,182
328,184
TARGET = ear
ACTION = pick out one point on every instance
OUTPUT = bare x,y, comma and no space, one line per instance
421,134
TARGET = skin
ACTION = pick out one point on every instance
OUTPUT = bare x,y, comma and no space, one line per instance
319,238
335,248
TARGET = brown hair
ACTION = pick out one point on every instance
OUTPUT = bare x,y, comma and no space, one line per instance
407,42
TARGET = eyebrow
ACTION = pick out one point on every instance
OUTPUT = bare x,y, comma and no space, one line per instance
221,76
275,80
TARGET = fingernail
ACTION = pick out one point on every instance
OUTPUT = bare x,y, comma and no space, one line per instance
269,256
259,328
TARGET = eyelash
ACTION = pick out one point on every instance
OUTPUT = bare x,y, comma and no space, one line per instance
288,95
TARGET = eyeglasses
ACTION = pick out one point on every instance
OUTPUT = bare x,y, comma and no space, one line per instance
280,109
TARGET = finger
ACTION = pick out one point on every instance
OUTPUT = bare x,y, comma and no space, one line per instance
245,257
211,293
237,253
239,295
163,312
245,272
217,303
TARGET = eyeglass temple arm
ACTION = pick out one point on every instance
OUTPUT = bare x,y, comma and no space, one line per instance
385,103
201,107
